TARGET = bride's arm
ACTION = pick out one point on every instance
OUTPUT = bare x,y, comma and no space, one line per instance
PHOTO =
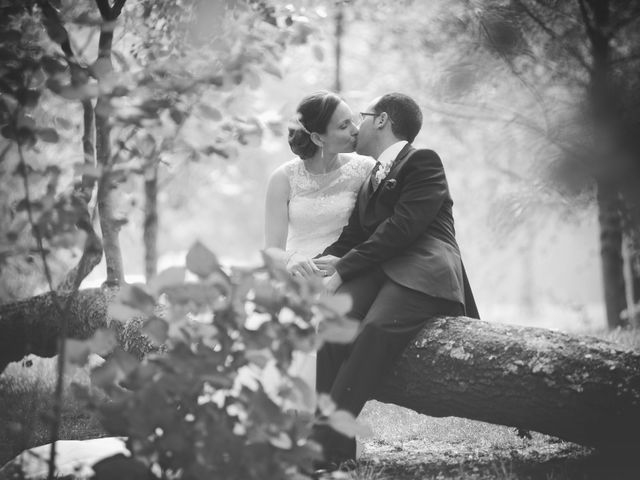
276,221
276,227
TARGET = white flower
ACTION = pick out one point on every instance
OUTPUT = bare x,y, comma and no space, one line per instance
382,172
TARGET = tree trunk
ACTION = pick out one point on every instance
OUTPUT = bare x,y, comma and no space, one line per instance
109,225
33,325
151,221
339,35
580,389
610,221
596,20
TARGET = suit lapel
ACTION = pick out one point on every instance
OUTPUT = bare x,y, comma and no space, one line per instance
366,196
400,160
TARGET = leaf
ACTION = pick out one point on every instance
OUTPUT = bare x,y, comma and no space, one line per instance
54,27
340,303
115,369
122,313
87,170
157,330
168,277
64,123
275,267
28,97
259,357
103,341
49,135
343,331
52,65
282,441
210,112
136,296
345,423
326,405
307,396
101,68
201,260
105,375
77,351
71,92
272,69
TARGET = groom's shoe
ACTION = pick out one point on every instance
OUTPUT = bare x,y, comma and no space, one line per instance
323,469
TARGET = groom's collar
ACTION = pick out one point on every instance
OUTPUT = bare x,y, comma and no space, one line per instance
387,157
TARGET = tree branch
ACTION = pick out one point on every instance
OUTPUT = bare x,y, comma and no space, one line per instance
628,58
554,36
117,8
105,9
625,22
88,182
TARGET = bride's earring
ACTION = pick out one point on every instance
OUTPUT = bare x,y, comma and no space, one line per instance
322,151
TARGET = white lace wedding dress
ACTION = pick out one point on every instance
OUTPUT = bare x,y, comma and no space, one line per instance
320,204
319,207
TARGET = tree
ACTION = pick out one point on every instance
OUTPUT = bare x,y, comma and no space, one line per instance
135,110
589,48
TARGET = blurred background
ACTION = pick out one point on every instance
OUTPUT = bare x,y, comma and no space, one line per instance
511,96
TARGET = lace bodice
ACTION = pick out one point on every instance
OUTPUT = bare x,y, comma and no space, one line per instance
320,204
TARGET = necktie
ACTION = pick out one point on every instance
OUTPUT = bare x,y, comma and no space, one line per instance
374,178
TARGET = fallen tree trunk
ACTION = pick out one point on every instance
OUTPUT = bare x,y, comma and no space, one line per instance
33,325
580,389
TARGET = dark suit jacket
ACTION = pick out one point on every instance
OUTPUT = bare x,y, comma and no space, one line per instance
406,227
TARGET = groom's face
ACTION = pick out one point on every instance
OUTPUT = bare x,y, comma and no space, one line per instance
367,130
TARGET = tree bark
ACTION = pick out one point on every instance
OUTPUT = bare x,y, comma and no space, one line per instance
596,19
339,34
109,225
151,221
580,389
32,326
610,222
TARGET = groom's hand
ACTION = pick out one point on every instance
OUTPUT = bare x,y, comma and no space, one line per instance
326,264
302,266
332,283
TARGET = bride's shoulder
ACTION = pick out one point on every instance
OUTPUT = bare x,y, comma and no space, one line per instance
289,168
360,163
360,159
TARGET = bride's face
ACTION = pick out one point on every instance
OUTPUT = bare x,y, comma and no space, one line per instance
341,133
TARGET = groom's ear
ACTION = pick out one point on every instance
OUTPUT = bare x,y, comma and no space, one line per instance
315,138
382,120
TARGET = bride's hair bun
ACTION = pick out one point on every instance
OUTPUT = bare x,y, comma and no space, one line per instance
312,115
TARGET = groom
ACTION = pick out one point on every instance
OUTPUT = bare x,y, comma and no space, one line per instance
397,258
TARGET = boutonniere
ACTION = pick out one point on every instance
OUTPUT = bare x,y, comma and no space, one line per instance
391,184
380,174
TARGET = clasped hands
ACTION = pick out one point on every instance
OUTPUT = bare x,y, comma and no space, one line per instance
300,266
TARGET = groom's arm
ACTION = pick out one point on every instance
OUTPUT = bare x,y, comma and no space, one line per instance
424,189
350,236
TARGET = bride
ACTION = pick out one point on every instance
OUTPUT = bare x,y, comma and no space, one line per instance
309,198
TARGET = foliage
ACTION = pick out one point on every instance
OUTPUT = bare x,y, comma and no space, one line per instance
219,401
145,84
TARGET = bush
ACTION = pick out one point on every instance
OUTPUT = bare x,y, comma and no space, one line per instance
219,401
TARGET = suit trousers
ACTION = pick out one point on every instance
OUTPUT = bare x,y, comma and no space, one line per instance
390,316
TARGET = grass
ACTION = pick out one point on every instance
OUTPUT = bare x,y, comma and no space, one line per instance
26,400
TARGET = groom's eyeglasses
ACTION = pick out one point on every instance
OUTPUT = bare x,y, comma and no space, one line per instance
364,115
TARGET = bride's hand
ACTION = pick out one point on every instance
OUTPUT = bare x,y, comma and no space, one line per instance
326,265
301,266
